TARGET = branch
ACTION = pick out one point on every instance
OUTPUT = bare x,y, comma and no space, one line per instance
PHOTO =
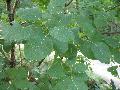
40,62
20,55
15,6
11,18
9,9
13,61
8,2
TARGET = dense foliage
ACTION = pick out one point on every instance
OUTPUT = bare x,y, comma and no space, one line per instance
65,27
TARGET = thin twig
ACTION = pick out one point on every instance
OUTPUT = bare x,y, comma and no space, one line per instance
68,3
40,62
20,55
15,6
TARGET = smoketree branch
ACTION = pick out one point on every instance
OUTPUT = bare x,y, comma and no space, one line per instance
11,12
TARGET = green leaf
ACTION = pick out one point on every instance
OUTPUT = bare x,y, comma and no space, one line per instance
101,51
76,67
62,34
42,3
56,6
100,20
60,47
1,40
79,67
97,37
38,48
77,39
22,84
25,3
112,42
4,86
2,62
2,75
71,52
17,73
30,14
85,25
59,19
71,83
7,46
45,83
16,33
113,70
116,55
56,70
85,48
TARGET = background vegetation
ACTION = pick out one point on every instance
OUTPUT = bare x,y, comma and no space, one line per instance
33,29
